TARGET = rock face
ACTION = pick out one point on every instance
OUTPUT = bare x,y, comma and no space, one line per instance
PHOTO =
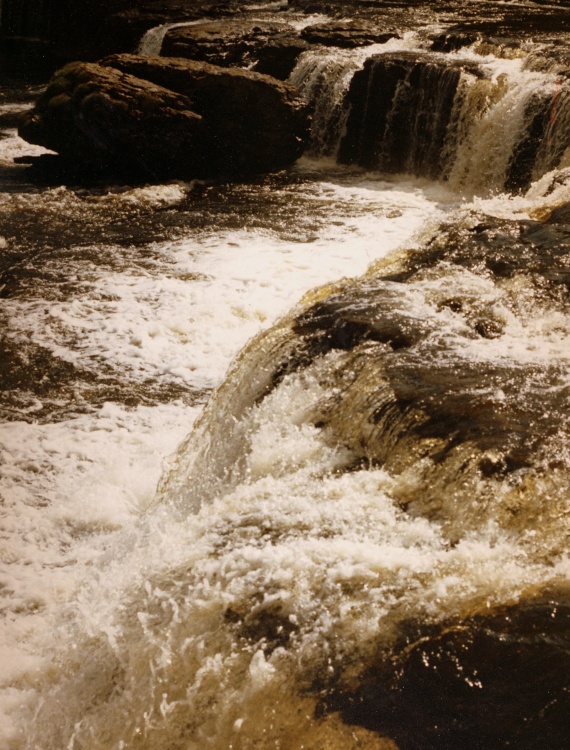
279,55
271,48
497,680
346,34
166,118
401,106
223,42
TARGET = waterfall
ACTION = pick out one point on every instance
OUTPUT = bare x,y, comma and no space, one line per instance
323,76
478,123
362,538
400,110
497,127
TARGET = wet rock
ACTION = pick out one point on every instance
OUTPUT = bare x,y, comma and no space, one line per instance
161,119
346,34
279,55
470,440
108,121
269,48
453,41
494,680
254,123
231,42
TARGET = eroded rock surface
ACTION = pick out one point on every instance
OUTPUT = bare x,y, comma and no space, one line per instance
346,34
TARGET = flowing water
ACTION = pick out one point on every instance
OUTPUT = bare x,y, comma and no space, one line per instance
389,447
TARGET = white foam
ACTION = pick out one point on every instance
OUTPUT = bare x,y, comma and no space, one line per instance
80,552
163,326
13,147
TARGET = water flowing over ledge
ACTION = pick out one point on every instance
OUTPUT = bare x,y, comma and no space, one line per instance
362,542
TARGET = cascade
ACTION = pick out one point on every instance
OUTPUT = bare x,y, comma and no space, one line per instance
401,106
151,42
362,539
323,78
497,128
479,123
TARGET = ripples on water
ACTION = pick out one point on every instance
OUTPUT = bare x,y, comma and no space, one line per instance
388,457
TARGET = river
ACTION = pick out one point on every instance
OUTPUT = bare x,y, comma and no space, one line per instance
302,524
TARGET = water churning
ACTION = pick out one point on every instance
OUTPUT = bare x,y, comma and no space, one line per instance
361,538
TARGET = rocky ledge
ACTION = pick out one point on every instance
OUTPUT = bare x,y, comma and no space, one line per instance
166,118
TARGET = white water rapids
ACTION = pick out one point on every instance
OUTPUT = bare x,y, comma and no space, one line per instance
131,623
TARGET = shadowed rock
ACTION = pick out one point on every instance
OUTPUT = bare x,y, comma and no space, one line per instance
401,106
231,42
104,120
346,34
160,118
254,123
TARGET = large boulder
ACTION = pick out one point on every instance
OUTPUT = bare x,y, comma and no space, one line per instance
254,122
167,118
103,120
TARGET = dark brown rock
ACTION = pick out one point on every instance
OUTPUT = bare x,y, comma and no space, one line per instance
255,123
495,680
163,118
232,42
106,120
400,108
279,55
346,34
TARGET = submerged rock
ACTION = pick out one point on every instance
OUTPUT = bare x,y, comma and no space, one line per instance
162,118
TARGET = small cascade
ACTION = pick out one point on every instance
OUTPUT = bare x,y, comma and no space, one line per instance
497,129
151,42
477,127
323,76
401,106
